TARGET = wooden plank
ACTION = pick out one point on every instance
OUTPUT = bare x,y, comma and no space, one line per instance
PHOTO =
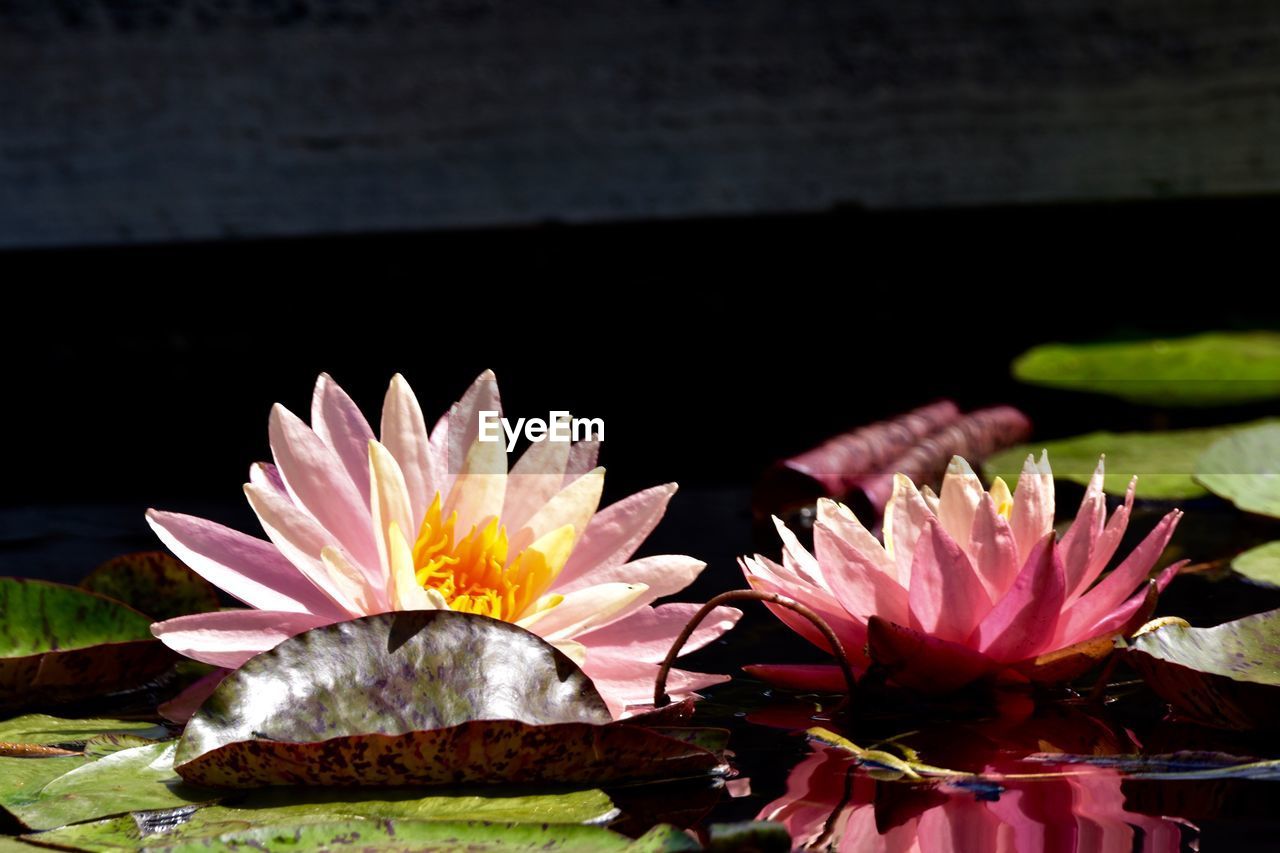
159,120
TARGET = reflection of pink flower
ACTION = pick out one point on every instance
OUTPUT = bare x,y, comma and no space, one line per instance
967,584
420,520
829,804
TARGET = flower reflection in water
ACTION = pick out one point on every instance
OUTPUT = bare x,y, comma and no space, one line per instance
831,804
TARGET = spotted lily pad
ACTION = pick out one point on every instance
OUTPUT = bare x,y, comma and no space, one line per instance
1211,369
194,824
59,644
154,583
419,698
386,836
1244,468
1165,462
1227,676
1260,564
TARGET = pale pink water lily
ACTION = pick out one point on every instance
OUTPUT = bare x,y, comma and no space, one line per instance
423,520
967,584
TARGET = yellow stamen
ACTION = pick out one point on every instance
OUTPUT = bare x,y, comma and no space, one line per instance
1002,497
472,573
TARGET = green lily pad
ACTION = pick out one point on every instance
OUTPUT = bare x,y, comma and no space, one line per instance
1260,564
1211,369
1227,676
39,728
1244,468
1165,462
125,781
419,698
154,583
409,836
59,644
277,811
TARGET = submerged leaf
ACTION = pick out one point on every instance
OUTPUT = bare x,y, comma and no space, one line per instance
59,644
1226,676
419,697
1211,369
1244,468
154,583
1163,461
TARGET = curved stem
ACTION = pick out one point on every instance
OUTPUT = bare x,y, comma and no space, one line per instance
660,697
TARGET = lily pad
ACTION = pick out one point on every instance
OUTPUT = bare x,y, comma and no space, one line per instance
273,811
1211,369
154,583
1227,676
128,780
1260,564
1165,462
59,644
384,835
1244,468
419,698
40,728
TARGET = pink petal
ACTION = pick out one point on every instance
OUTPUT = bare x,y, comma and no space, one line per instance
1105,548
624,682
648,634
837,522
404,434
183,707
923,662
583,456
860,585
820,678
905,518
266,475
663,574
252,570
464,418
339,423
613,535
961,492
1123,619
851,633
230,637
318,482
946,596
1117,586
993,550
1032,514
534,480
1023,622
1079,542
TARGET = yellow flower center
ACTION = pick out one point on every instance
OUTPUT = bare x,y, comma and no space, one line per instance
472,572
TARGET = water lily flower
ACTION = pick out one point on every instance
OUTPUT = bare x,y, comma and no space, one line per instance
421,520
830,804
966,585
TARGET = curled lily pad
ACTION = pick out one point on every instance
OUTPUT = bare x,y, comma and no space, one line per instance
1260,564
1165,462
1211,369
1227,676
59,644
154,583
1244,468
419,698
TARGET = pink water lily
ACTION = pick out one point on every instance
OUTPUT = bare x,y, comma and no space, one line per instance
968,584
424,520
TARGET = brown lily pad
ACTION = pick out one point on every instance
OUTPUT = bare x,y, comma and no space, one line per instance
420,698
